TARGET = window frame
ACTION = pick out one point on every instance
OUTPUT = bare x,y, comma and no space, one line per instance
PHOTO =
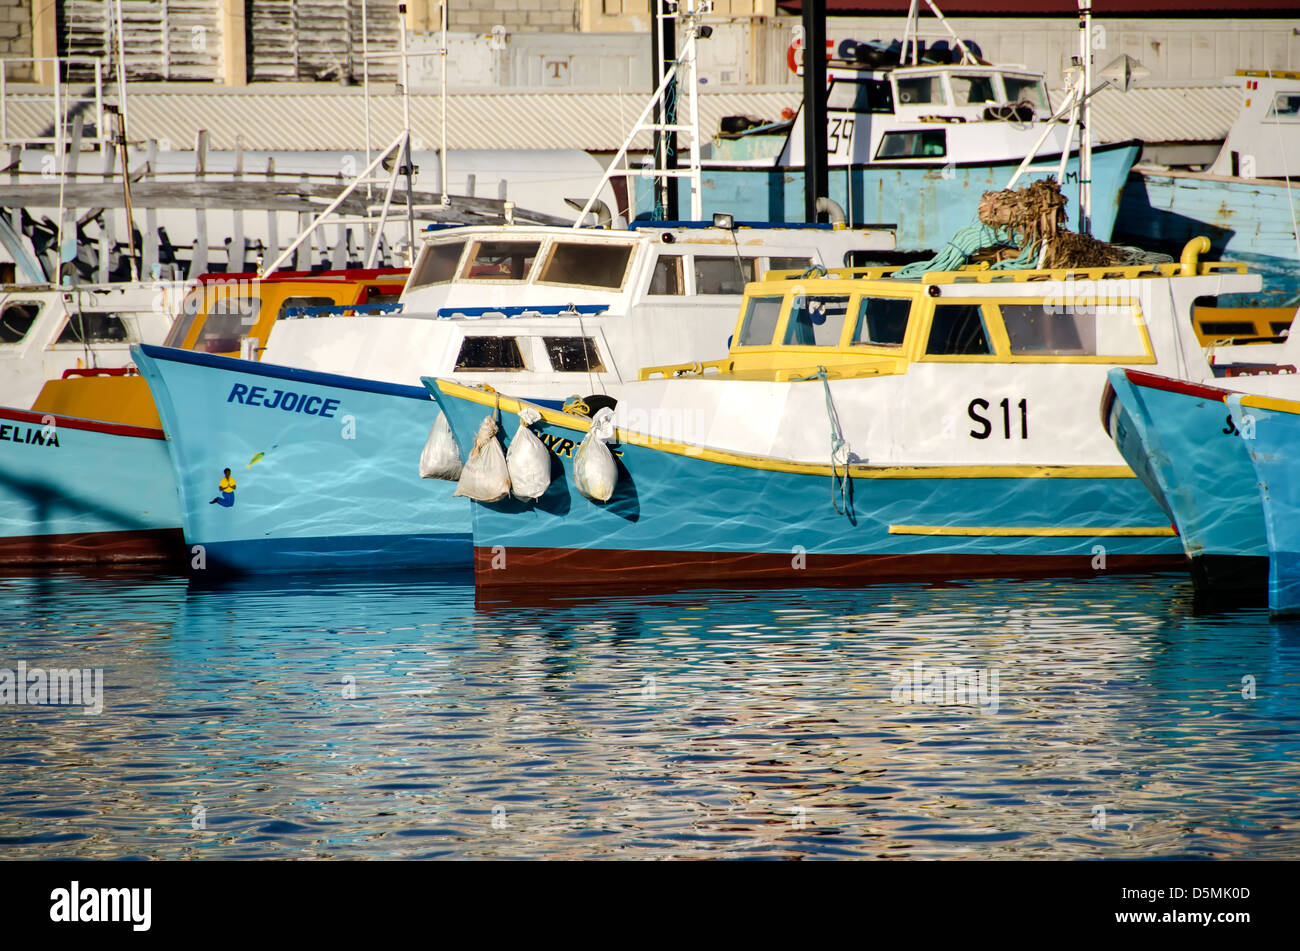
547,254
36,319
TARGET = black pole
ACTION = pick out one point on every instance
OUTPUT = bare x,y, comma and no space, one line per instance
816,171
656,74
669,56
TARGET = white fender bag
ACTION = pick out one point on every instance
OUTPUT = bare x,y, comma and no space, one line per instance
441,456
528,460
594,471
485,477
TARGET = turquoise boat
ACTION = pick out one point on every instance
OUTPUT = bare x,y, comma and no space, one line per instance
1179,439
1270,430
52,513
323,435
865,426
316,484
926,202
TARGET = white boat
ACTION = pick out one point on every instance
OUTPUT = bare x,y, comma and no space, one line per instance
322,434
47,332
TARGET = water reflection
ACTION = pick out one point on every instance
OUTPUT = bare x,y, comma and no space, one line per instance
392,717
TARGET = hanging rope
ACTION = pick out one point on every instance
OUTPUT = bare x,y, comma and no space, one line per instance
839,446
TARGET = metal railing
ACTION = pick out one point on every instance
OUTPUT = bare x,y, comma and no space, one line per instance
61,100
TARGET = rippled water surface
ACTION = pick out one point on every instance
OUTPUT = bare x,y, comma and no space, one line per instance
392,717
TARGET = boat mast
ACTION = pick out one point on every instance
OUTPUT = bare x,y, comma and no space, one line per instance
1085,120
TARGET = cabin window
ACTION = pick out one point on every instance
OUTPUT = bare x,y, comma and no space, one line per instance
971,90
861,95
957,329
917,90
490,353
932,143
1073,330
93,327
760,322
595,265
16,320
181,325
667,277
1286,105
501,260
1281,328
227,322
1021,88
296,303
437,264
816,321
725,274
1034,329
882,322
573,354
789,264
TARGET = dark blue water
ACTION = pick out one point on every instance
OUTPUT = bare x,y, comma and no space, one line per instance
391,717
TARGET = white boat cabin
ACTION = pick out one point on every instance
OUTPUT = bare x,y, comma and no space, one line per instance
562,310
926,115
1266,135
47,332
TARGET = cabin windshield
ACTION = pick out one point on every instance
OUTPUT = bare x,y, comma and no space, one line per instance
759,326
1022,88
921,90
181,325
816,321
882,322
861,95
500,260
970,90
587,263
437,264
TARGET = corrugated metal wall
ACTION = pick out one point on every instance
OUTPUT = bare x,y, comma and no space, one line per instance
165,39
319,39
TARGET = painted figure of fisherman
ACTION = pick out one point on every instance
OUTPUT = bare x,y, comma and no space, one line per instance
227,487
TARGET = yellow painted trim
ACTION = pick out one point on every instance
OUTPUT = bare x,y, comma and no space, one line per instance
582,424
1053,532
1290,407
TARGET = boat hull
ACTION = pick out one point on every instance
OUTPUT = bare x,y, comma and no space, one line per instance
1273,427
325,481
927,204
1180,441
687,518
78,491
1245,220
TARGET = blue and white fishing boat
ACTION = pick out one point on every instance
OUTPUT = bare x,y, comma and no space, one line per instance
912,141
865,426
1180,439
1270,428
322,435
913,146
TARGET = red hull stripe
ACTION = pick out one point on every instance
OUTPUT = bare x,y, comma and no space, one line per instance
569,566
1151,381
91,548
76,422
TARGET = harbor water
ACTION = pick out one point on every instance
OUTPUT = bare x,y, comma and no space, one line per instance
390,716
